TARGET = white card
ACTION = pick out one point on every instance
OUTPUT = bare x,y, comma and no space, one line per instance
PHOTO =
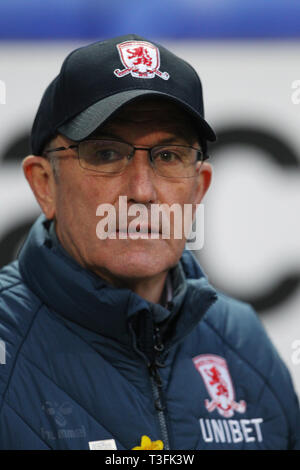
106,444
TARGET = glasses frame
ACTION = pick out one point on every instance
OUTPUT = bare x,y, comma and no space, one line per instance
204,156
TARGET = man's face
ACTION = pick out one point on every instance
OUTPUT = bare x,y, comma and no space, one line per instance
79,192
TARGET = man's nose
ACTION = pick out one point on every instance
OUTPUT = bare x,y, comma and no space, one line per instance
140,178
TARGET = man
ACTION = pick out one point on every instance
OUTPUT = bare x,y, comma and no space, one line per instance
114,337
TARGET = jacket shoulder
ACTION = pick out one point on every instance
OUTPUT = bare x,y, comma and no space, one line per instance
240,328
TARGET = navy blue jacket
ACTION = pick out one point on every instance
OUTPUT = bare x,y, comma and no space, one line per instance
85,362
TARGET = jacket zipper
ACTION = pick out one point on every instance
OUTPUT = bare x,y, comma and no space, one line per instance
155,379
156,384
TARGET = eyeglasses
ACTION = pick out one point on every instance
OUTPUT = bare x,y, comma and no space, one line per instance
112,157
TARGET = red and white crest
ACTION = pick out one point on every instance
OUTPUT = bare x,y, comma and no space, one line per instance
215,374
141,59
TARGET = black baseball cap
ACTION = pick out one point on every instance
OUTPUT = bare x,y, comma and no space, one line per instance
97,80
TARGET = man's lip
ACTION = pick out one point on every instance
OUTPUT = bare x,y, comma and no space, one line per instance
138,229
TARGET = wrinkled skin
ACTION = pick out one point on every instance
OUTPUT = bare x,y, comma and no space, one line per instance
73,198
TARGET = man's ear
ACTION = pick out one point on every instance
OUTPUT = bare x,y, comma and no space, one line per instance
39,174
204,176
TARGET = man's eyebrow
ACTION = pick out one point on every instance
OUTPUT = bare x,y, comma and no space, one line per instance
167,140
174,140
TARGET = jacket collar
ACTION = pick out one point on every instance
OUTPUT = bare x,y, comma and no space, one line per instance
84,298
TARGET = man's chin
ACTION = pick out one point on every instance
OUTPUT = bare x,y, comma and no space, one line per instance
139,263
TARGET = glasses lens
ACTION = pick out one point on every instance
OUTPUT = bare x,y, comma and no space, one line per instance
105,156
175,160
111,156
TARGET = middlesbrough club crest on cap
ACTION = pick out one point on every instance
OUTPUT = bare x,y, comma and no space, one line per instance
140,59
215,374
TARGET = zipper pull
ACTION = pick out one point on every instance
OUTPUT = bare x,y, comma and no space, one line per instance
158,347
155,375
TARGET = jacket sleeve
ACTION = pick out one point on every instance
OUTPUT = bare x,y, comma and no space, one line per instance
16,316
279,379
289,400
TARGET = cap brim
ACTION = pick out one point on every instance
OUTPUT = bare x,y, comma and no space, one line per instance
86,122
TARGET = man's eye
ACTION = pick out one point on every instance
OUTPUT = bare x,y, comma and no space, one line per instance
167,156
106,156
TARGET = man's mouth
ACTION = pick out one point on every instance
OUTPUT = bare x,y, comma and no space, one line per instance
138,231
139,228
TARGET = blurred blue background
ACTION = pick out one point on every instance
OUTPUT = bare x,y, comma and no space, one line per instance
172,19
